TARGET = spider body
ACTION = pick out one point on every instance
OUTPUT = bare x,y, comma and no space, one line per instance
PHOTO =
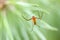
34,20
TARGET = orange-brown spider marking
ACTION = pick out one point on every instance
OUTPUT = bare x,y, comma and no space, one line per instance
2,4
34,20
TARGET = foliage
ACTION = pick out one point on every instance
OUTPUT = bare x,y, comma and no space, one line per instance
14,27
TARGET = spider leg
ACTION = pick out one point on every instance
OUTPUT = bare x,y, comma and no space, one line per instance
26,18
40,15
32,27
38,25
37,18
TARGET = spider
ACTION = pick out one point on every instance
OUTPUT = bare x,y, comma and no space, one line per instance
2,4
34,19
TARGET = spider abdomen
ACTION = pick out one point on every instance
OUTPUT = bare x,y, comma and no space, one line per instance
34,20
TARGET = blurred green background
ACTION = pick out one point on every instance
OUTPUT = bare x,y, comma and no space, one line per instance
14,27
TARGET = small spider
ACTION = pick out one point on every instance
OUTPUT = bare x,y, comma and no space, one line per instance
34,19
